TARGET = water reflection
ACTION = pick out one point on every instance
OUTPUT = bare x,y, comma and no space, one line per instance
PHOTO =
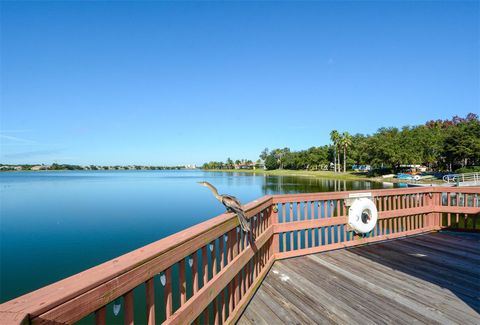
291,185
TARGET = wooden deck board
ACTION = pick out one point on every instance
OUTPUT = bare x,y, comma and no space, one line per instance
433,278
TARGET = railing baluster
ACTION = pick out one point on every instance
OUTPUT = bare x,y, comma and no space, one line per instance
299,239
237,290
260,224
231,303
235,243
206,315
100,316
242,282
264,221
128,315
182,281
216,316
292,238
213,253
249,272
168,293
150,289
221,248
223,305
195,272
245,280
230,236
205,265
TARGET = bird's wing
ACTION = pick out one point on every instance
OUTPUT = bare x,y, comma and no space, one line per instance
231,200
232,204
237,209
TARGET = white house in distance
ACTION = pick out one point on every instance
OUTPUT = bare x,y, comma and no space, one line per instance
39,167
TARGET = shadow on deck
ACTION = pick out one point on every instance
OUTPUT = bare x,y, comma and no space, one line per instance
432,278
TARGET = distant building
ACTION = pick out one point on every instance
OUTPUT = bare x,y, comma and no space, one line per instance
259,165
415,168
245,165
363,168
39,167
10,167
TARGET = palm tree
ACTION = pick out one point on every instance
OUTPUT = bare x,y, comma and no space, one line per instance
345,142
335,137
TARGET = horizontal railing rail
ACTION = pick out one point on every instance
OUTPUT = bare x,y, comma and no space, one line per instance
208,272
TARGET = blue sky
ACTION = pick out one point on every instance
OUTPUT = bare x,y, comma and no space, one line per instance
163,83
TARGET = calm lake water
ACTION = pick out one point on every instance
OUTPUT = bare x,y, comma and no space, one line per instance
55,224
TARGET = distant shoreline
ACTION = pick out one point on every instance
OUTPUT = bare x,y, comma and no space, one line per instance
348,176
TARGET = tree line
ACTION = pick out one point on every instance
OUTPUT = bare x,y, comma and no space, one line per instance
230,164
55,166
441,145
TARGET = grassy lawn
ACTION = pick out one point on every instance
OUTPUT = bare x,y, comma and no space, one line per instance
306,173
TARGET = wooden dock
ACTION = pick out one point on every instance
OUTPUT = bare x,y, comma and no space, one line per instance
207,274
429,279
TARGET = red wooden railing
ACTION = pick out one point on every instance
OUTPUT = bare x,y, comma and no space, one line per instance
209,272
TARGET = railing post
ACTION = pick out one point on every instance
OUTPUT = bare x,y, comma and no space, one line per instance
273,221
437,215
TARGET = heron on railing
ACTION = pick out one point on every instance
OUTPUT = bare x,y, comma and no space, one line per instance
231,203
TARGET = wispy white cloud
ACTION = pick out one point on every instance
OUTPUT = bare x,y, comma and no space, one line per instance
17,139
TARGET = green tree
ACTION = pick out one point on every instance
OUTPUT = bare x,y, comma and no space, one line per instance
271,162
335,138
264,154
345,142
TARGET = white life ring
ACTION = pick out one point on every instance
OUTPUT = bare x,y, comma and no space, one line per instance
362,215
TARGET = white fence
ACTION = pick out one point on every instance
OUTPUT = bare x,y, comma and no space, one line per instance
463,179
